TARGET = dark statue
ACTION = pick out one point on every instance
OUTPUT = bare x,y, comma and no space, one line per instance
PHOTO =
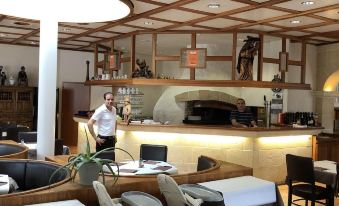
246,57
2,76
142,70
22,77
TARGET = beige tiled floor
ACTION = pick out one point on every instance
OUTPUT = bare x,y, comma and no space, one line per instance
284,193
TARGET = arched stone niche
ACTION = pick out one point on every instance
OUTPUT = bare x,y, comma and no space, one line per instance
173,109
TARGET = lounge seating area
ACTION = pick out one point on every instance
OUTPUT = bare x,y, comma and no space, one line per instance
32,175
15,151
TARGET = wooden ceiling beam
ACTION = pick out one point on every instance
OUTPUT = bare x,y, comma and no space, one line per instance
133,17
225,13
2,17
26,36
287,16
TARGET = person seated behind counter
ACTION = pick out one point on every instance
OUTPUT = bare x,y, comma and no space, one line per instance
242,117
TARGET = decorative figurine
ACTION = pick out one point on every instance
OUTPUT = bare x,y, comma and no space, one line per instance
246,57
2,76
22,77
142,70
127,110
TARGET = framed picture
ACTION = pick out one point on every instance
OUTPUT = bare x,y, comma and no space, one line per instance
114,60
193,58
283,64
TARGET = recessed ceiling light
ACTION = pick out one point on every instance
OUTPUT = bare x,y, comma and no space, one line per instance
148,23
33,42
22,23
307,2
66,29
295,22
213,5
2,35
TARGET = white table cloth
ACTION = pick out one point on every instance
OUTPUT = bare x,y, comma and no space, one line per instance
4,184
325,172
148,168
60,203
244,190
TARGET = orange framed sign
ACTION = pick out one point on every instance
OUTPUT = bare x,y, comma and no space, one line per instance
193,58
114,61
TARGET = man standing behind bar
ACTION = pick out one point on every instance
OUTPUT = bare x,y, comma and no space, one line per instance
105,116
242,117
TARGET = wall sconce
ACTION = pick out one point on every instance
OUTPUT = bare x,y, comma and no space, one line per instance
283,63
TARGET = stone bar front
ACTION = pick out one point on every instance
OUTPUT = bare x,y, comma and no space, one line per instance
262,149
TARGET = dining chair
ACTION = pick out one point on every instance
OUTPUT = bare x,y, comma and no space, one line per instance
301,182
173,194
205,163
131,198
153,152
103,196
110,154
28,136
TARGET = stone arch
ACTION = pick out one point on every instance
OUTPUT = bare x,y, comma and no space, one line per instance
331,82
206,95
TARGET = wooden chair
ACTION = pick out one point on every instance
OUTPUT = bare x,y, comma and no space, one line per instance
153,152
301,170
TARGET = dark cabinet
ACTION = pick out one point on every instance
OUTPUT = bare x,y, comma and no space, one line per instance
328,147
16,105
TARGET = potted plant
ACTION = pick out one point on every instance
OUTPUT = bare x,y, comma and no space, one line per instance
89,165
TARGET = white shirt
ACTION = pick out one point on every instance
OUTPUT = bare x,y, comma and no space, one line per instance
105,120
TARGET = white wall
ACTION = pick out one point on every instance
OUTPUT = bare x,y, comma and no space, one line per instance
294,96
71,64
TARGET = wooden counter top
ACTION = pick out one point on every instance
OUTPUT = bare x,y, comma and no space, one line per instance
214,129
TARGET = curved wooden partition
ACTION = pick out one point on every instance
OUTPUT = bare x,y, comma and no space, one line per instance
148,184
20,151
45,167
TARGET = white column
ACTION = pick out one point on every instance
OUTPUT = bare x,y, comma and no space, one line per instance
47,86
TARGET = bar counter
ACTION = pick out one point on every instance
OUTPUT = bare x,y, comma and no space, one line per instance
262,149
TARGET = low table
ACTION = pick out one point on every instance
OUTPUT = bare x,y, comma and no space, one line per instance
245,190
148,167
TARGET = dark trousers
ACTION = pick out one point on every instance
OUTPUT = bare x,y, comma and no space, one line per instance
109,142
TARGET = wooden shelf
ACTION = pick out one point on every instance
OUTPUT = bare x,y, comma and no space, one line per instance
203,83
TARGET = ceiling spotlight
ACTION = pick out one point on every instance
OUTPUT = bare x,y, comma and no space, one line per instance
307,2
2,35
213,5
295,22
148,23
66,29
33,42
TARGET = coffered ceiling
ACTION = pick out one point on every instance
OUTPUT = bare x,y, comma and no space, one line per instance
316,22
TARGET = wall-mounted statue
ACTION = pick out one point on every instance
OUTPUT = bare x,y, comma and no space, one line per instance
246,57
2,76
142,70
22,77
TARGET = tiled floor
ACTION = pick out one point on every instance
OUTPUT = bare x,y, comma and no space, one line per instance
284,193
